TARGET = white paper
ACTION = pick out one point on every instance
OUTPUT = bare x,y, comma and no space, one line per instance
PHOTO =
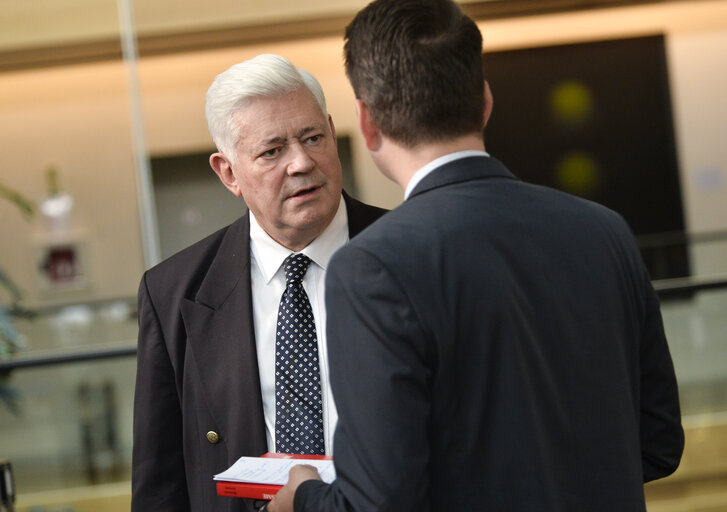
263,470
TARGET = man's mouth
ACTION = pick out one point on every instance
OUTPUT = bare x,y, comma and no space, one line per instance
303,192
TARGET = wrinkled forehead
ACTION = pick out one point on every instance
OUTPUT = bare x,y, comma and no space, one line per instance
282,116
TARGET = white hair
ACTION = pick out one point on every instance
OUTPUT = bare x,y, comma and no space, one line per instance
262,76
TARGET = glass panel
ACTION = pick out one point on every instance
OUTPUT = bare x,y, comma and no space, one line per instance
69,150
695,329
73,427
709,254
79,325
695,324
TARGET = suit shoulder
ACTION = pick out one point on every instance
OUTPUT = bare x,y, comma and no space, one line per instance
360,215
372,211
382,239
189,265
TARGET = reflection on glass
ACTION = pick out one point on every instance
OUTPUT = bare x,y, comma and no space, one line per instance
73,427
79,325
696,330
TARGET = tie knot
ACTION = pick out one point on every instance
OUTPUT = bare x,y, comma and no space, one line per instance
295,267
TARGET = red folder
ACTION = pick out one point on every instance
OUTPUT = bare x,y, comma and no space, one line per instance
260,491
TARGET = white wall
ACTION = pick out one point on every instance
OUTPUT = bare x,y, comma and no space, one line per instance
78,118
698,63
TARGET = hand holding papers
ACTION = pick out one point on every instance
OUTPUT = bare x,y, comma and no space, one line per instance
264,470
262,477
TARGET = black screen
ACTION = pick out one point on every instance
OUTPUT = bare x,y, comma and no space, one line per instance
594,119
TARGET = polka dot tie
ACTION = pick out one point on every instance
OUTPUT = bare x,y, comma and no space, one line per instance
298,405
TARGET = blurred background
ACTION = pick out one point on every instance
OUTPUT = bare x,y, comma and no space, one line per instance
103,173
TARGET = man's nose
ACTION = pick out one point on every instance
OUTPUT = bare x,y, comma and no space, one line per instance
300,160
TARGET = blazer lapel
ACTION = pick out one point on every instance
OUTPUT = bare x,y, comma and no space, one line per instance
219,325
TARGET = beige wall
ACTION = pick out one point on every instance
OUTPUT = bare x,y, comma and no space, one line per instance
49,22
78,118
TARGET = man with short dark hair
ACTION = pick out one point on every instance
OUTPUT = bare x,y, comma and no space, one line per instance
500,347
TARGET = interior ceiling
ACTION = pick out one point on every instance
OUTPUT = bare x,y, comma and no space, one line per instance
43,33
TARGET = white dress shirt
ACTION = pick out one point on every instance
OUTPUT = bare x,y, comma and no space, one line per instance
438,162
268,283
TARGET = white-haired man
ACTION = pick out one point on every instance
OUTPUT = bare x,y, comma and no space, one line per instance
206,387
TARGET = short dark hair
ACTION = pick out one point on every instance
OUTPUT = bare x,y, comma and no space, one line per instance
417,64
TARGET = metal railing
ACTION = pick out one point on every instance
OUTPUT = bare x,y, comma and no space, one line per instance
64,356
665,288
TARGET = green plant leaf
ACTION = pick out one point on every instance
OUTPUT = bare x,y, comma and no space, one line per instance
10,286
25,206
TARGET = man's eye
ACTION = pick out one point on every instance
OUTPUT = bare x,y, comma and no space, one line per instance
271,153
314,139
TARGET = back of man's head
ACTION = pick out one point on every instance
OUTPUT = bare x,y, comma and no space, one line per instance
262,76
417,65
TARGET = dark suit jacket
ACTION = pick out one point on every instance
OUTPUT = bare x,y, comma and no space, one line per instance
495,346
197,371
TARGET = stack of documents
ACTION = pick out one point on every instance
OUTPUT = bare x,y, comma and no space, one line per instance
262,477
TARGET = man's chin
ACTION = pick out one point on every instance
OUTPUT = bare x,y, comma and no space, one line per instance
314,215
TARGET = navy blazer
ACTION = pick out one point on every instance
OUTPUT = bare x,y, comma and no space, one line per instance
197,371
495,346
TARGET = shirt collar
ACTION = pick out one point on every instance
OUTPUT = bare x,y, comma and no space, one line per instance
438,162
270,255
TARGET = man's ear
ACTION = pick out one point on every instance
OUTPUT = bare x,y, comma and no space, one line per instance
333,128
488,104
223,168
370,132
